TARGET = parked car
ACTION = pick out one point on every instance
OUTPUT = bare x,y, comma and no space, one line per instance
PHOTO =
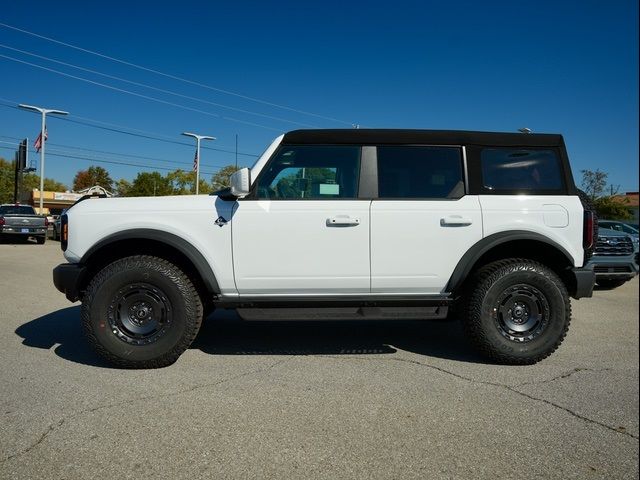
22,221
345,225
56,226
615,259
621,227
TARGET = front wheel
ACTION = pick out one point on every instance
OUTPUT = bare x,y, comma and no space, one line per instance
141,312
518,311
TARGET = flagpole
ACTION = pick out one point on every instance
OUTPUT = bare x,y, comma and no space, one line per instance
197,165
43,112
42,142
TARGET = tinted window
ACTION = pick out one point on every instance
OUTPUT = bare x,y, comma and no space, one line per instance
311,172
419,172
17,210
520,169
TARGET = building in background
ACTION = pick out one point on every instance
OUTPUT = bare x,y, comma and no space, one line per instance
55,202
630,200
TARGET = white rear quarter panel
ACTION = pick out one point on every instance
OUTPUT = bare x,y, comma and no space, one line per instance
558,218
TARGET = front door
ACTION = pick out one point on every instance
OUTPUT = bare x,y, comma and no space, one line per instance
303,229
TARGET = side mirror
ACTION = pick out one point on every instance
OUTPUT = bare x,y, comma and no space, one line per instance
241,182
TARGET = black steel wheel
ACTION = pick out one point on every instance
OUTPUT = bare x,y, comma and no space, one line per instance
517,311
141,312
521,313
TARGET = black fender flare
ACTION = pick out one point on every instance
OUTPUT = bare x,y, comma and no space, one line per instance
169,239
469,259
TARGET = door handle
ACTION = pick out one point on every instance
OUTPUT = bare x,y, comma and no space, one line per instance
455,221
342,221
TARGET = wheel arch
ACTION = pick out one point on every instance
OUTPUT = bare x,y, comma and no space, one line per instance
151,242
520,244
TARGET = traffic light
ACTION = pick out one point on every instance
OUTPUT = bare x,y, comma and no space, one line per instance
22,155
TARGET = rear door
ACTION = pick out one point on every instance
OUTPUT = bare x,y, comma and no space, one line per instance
303,229
422,222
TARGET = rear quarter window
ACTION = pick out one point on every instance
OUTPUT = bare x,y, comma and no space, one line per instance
521,170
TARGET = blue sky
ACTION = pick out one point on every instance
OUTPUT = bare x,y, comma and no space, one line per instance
562,67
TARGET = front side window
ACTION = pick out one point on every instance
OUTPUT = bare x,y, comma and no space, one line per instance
521,169
311,172
419,172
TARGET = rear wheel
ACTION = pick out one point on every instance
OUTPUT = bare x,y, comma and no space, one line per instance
518,311
141,312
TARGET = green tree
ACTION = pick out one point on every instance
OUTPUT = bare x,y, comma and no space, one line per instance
612,208
6,180
122,188
149,184
31,181
220,179
183,182
594,183
92,176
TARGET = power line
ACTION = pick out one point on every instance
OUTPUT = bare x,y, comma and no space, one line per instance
174,77
112,127
117,154
113,162
135,94
151,87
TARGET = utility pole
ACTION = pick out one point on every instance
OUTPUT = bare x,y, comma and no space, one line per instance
43,112
197,160
236,151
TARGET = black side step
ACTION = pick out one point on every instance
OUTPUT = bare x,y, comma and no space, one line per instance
330,301
344,313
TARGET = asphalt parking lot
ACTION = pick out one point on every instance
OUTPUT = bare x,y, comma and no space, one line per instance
312,400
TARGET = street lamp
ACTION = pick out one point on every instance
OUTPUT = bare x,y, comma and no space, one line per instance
44,112
198,138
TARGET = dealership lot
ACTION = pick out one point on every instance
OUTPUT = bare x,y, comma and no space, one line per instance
311,400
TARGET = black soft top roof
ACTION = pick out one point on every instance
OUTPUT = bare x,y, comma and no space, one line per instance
430,137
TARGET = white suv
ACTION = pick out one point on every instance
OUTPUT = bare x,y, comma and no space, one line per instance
343,224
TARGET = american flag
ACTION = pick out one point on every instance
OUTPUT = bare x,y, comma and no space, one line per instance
195,161
38,143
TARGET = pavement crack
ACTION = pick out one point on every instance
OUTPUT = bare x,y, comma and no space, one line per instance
53,426
563,375
512,389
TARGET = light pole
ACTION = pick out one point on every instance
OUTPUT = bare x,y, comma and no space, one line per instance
44,112
198,138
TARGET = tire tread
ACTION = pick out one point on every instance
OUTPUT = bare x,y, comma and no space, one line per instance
484,278
194,309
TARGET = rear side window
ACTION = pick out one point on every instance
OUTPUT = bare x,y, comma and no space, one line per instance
311,172
419,172
521,169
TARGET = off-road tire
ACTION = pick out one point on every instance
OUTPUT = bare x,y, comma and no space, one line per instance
483,321
103,312
609,283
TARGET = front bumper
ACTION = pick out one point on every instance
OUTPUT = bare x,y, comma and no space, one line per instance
67,277
585,279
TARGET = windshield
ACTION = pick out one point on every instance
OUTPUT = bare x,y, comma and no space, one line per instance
17,210
620,227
